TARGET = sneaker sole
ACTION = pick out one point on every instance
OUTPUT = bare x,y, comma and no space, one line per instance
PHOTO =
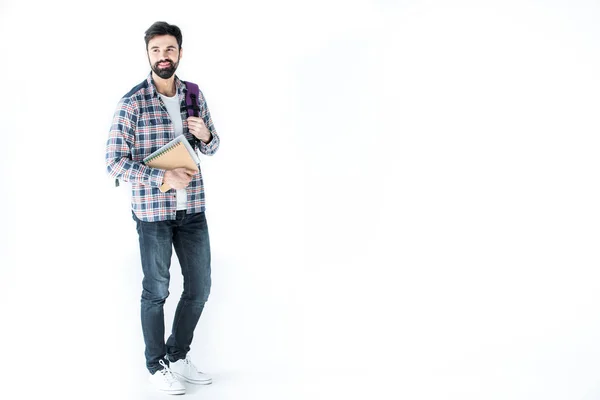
183,378
172,391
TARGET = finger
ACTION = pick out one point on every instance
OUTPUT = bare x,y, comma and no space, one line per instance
196,121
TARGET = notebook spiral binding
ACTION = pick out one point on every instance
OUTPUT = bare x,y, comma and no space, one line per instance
163,152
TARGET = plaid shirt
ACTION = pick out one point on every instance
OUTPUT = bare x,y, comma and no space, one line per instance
141,125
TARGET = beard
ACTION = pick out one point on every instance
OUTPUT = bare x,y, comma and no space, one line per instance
165,73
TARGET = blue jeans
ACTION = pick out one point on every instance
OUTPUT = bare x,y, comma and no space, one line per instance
188,234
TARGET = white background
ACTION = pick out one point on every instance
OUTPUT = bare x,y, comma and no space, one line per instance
404,204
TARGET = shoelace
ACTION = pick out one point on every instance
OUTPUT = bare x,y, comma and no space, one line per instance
166,372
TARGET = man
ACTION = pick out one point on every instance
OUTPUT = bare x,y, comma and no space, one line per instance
147,117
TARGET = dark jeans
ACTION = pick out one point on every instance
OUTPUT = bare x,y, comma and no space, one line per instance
188,234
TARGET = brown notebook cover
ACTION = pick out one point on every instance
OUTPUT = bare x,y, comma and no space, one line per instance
178,153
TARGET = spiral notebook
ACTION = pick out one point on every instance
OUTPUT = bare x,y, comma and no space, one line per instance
178,153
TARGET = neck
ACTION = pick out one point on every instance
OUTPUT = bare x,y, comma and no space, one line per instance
164,86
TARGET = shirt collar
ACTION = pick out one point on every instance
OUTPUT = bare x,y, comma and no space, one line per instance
181,88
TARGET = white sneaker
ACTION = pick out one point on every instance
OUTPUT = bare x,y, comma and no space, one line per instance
164,381
185,370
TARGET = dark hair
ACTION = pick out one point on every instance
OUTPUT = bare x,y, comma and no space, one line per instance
162,28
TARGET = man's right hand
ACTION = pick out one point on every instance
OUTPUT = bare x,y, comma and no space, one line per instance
179,178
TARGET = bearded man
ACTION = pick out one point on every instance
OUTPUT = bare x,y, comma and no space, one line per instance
149,116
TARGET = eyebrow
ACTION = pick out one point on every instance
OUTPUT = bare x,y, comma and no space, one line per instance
168,47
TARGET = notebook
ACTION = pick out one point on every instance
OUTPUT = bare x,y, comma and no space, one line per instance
177,153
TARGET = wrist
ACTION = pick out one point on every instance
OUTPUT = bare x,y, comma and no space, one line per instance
202,140
165,177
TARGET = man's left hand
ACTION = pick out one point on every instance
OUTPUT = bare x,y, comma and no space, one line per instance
198,128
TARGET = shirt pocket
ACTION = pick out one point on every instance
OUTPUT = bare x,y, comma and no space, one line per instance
151,128
146,122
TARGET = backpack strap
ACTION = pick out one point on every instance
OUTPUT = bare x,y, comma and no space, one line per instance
191,99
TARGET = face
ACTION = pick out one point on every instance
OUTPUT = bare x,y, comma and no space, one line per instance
164,55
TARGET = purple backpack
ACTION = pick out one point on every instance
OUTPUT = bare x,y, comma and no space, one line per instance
191,99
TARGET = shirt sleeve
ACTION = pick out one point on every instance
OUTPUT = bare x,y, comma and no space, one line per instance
211,147
121,139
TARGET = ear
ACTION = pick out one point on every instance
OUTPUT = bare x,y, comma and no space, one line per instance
180,52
